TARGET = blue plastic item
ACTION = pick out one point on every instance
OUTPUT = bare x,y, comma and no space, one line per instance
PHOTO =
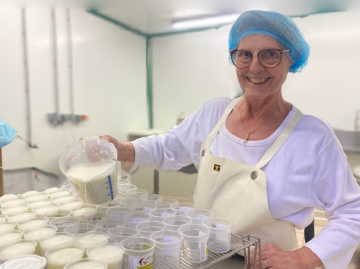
7,134
276,25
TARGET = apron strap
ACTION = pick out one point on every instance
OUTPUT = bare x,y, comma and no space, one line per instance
216,129
280,140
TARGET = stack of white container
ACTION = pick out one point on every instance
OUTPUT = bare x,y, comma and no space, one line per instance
55,229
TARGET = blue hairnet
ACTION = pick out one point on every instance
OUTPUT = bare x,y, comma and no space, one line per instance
276,25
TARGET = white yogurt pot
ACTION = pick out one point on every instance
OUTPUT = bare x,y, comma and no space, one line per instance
87,264
138,251
23,247
112,254
58,256
25,261
62,238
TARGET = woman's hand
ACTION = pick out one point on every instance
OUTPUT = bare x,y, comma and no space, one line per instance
276,258
125,150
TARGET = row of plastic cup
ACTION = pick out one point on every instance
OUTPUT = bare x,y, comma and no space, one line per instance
36,262
194,250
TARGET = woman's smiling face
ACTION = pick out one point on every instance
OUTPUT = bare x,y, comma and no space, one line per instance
252,78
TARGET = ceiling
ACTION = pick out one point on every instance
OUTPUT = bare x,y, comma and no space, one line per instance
157,16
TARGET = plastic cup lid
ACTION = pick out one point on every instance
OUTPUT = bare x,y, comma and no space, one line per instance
25,261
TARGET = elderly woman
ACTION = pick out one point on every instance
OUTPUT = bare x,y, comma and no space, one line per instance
262,163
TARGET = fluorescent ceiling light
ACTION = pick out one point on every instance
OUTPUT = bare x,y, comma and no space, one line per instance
205,21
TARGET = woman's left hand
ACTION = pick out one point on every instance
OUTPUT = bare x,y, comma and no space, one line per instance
276,258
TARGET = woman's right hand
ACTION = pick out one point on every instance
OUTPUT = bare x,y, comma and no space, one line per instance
125,150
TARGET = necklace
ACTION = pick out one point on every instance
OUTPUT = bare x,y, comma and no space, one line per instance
252,132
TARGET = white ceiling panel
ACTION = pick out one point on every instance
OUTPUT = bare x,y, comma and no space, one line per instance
157,16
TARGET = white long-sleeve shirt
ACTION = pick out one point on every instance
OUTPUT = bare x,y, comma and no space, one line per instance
309,171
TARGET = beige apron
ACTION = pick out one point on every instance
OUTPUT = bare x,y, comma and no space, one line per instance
237,191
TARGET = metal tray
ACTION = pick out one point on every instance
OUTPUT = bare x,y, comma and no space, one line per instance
239,244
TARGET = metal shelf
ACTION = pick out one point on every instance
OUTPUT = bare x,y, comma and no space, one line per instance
239,244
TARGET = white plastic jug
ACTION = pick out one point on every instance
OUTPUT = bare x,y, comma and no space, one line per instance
91,168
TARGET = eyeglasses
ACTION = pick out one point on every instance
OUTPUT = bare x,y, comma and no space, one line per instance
269,58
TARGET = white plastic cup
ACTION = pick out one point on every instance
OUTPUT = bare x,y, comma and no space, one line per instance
138,194
37,198
8,197
220,234
59,194
143,207
14,210
80,228
106,224
7,227
118,212
43,203
167,203
61,238
167,252
117,235
2,219
147,228
173,223
62,223
73,205
120,196
57,214
123,182
51,190
30,194
38,222
39,233
96,189
63,200
195,244
87,264
23,247
92,217
58,256
133,219
13,203
198,215
86,209
128,202
138,252
112,254
112,204
91,239
160,214
182,208
10,238
154,199
25,261
123,189
46,209
21,217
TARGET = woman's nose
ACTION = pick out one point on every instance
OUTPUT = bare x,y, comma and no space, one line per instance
256,66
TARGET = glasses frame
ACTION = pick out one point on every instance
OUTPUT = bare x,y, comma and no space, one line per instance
258,56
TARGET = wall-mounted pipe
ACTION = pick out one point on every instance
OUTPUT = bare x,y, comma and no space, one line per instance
26,76
149,82
70,64
55,63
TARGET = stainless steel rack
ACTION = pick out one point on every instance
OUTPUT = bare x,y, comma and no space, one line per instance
239,244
